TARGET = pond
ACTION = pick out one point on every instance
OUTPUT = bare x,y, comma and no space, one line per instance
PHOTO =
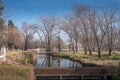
47,61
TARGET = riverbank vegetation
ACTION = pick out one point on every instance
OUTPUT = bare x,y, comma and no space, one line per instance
91,35
21,57
105,61
85,29
18,66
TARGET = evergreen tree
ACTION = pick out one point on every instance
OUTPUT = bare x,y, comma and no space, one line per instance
14,36
10,23
2,26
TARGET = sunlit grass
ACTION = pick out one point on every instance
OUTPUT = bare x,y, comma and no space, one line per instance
12,72
15,68
15,55
106,60
20,57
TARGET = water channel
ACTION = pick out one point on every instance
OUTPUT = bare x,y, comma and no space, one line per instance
47,61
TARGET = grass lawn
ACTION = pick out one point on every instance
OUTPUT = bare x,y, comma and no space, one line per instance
15,67
106,61
13,72
20,57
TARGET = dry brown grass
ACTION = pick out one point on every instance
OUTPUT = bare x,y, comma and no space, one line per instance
20,57
14,69
14,55
107,61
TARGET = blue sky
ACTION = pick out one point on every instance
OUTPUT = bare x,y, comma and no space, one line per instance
30,10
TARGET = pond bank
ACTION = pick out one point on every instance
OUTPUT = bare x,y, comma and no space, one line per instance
18,66
15,72
65,56
89,60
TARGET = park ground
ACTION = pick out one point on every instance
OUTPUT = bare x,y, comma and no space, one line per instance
19,64
105,61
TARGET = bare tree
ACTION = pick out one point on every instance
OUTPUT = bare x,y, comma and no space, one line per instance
110,19
73,23
46,30
58,30
3,30
82,12
117,38
28,33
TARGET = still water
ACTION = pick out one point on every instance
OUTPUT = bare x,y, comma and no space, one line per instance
45,61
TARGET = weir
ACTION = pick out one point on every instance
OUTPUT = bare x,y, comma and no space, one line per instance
88,73
52,68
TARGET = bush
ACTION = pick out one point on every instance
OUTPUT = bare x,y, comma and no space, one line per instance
28,58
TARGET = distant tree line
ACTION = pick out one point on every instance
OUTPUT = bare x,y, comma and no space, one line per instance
10,35
93,29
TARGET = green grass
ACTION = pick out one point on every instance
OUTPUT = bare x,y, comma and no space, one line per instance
115,56
19,66
106,60
12,72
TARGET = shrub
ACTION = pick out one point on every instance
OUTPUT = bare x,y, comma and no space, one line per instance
28,58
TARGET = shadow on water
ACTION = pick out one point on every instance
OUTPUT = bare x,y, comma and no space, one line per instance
46,61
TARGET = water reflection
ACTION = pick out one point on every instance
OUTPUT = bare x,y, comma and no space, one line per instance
51,61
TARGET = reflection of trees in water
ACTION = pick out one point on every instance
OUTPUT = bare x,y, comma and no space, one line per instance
44,62
58,62
51,61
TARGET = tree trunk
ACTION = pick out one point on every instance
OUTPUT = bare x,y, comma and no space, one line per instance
25,47
90,52
110,52
99,53
59,46
73,48
85,51
110,42
69,47
76,45
49,43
